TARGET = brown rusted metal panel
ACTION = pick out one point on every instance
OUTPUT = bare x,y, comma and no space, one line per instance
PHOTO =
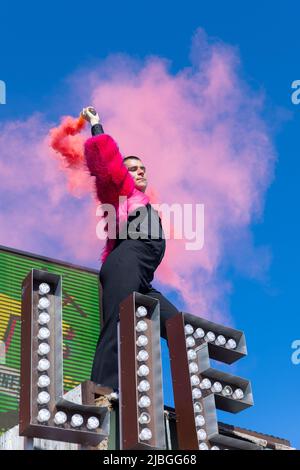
128,374
25,390
186,431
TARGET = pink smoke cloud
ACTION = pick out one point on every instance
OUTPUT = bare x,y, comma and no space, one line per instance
42,207
200,133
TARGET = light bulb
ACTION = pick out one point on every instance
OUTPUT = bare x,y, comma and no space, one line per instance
44,318
144,418
92,423
44,381
145,434
193,367
199,420
43,303
43,349
141,311
76,420
43,365
210,336
189,330
195,380
144,386
238,394
201,434
231,344
190,342
199,333
142,355
43,333
141,326
196,393
205,384
43,398
43,415
144,402
227,391
221,340
192,355
60,418
142,340
198,408
203,446
217,387
143,371
44,288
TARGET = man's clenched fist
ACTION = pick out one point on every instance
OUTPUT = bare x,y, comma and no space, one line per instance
91,115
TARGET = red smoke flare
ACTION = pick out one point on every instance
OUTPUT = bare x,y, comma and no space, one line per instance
71,148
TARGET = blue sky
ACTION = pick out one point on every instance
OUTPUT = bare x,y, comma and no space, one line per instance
45,43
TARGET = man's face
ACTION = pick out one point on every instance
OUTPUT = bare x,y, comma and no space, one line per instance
138,172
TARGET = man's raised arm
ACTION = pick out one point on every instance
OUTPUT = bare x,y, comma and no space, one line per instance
105,162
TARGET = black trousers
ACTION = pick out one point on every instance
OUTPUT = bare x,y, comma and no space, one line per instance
129,267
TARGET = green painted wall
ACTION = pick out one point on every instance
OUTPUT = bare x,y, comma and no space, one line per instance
80,324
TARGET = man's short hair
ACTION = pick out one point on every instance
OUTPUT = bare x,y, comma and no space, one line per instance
131,156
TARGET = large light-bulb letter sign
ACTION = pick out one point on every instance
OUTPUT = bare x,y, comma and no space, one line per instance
140,374
44,412
200,389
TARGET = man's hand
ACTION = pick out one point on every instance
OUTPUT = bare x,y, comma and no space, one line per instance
90,115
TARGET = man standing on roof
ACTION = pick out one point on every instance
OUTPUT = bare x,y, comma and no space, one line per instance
129,263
